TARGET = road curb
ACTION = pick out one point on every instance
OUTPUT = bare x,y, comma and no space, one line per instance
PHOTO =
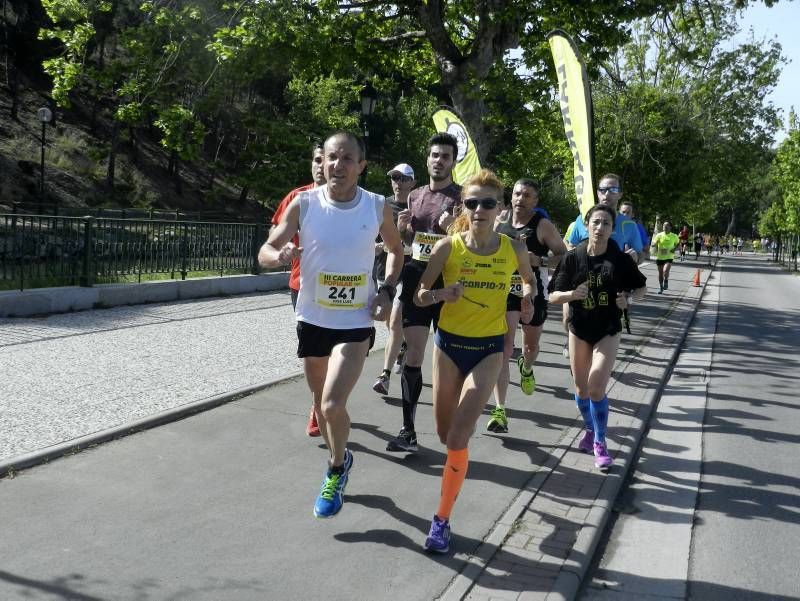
9,467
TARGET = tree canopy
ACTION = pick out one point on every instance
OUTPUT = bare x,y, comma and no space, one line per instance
244,87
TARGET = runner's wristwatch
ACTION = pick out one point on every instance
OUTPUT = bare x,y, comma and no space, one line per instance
388,289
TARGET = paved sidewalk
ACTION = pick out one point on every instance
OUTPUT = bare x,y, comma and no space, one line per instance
75,374
218,506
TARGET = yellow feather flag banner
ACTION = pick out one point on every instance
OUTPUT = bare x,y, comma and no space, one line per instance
575,100
467,162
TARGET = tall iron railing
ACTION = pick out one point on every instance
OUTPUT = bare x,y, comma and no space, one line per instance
51,250
56,210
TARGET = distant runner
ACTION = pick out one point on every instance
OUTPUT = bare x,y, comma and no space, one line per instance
663,246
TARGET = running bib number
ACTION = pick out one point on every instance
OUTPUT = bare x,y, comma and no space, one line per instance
516,285
347,291
423,245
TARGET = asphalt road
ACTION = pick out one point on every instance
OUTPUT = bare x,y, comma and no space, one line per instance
747,525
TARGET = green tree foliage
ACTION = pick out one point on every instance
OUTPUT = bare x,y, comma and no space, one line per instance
73,28
459,50
681,114
245,87
783,215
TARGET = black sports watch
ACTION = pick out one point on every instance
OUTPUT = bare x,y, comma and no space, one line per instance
388,289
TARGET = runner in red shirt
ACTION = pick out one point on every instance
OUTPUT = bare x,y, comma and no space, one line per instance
683,239
312,428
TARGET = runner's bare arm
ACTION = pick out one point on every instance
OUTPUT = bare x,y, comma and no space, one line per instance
558,297
279,249
525,270
392,245
404,224
549,236
424,296
526,273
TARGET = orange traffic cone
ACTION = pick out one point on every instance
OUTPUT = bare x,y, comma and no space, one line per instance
696,279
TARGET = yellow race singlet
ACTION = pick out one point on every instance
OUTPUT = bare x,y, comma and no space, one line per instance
481,311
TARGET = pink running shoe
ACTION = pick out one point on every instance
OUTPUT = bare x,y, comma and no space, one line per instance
586,444
601,456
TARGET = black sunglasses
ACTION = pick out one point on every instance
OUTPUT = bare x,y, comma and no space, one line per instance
612,189
486,203
397,177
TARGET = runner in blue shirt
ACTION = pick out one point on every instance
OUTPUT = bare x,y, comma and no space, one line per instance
626,232
626,208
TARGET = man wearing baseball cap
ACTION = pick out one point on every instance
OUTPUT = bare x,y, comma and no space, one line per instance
403,181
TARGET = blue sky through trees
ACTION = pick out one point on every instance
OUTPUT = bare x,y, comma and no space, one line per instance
780,21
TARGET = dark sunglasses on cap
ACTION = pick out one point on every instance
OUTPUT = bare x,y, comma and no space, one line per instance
399,177
612,189
486,203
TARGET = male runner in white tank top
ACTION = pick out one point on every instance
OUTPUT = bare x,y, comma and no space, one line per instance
337,225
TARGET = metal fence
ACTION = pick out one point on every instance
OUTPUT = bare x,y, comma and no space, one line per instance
44,250
34,208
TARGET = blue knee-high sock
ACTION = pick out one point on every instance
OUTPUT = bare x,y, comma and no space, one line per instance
599,411
583,407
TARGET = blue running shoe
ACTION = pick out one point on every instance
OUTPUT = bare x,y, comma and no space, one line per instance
348,463
438,540
331,493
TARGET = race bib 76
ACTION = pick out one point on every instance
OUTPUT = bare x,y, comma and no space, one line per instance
423,245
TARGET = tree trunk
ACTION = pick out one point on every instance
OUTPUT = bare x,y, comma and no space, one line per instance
101,59
95,110
177,177
112,156
14,93
212,175
173,159
731,224
472,110
243,194
462,72
134,145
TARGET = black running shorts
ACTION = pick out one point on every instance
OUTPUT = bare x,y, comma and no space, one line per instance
316,341
514,303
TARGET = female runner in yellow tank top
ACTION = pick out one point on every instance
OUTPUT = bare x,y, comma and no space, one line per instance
476,264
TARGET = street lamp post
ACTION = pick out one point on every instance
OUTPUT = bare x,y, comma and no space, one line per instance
45,115
369,99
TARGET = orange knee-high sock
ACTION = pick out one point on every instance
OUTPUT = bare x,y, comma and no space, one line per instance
455,470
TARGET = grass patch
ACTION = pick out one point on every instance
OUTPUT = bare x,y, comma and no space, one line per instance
45,282
160,277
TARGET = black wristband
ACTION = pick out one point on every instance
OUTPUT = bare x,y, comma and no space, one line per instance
388,289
